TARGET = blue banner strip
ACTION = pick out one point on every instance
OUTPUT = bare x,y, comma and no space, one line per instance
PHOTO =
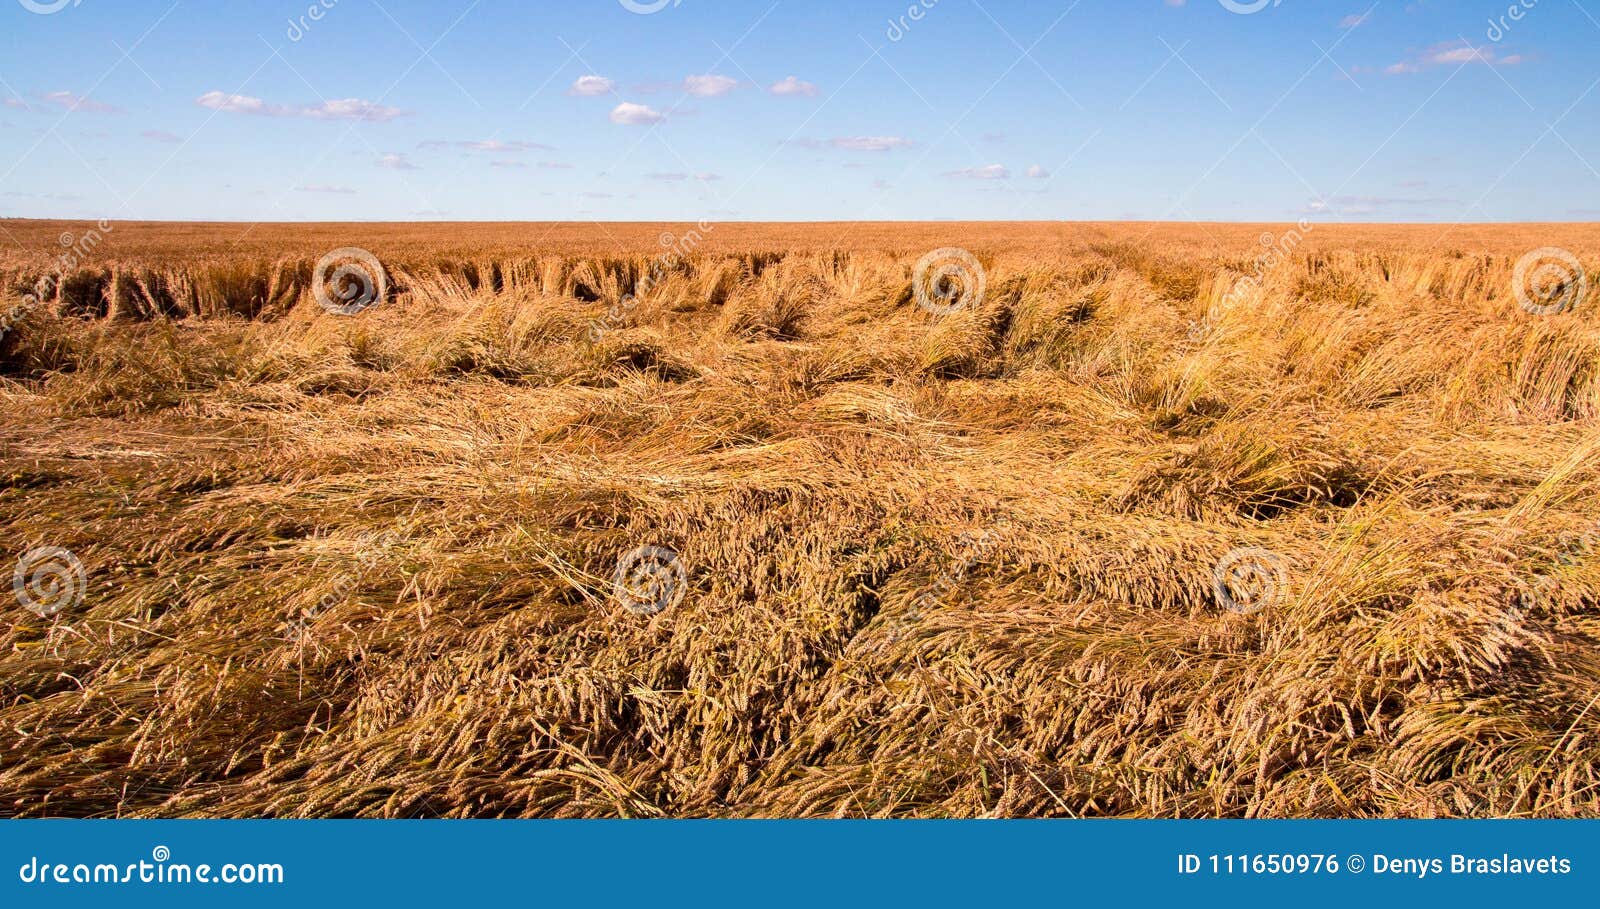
810,863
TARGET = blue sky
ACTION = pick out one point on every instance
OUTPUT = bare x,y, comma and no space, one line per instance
798,110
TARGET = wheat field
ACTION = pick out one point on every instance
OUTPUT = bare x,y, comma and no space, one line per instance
966,559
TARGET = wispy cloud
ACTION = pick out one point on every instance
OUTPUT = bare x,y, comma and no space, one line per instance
1037,172
233,104
497,146
1453,53
395,161
51,197
709,86
1367,205
678,177
1354,20
591,86
632,114
70,101
791,85
325,188
341,109
160,135
857,143
986,172
351,109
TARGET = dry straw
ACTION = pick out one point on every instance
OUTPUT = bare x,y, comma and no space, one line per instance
819,452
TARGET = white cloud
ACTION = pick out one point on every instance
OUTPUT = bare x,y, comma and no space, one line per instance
160,135
986,172
498,145
1466,54
17,103
341,109
236,104
507,164
1037,172
1368,205
1354,19
53,197
790,85
395,161
709,86
324,188
488,145
77,102
1453,53
867,143
678,177
590,86
351,109
635,114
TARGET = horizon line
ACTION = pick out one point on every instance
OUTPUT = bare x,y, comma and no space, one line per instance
690,220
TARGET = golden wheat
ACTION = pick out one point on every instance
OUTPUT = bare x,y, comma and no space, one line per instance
935,565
